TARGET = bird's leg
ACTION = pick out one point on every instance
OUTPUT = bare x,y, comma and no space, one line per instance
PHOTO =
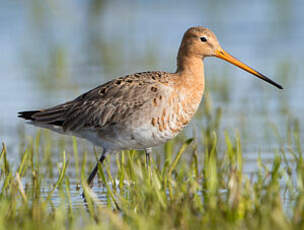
148,152
94,171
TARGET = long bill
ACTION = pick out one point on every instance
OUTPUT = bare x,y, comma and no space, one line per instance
227,57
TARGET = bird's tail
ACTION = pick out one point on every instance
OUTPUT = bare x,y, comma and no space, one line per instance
52,116
27,115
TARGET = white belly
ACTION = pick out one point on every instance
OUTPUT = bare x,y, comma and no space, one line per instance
138,138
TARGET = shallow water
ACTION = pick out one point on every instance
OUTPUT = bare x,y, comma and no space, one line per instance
52,53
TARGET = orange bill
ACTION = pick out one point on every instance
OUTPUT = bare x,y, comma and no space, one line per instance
227,57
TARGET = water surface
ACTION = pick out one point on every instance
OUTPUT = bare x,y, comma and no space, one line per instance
53,52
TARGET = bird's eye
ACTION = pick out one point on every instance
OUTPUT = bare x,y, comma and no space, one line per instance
203,39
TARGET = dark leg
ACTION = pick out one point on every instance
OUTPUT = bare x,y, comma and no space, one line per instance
148,152
94,171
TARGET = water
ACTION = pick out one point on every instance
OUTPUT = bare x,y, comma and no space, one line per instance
52,52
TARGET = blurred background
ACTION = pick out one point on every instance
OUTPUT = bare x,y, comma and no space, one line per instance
52,51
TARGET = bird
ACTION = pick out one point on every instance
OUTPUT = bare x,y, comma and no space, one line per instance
141,110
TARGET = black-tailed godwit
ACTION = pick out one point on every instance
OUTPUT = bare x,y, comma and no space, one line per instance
141,110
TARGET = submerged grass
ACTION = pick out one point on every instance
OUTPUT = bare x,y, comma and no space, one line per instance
201,190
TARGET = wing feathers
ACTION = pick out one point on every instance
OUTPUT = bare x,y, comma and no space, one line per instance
112,102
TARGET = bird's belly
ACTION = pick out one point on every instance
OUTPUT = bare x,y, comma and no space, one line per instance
149,136
141,137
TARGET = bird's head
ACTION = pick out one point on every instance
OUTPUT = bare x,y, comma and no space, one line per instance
201,42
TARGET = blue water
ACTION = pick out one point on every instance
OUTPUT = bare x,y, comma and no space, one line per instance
53,51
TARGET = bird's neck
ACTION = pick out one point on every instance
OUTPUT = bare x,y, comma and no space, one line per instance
190,84
191,70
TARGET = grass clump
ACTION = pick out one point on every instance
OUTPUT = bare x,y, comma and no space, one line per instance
183,189
190,184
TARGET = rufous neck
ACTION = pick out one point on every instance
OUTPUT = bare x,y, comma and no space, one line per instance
190,65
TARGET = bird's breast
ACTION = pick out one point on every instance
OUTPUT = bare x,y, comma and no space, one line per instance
175,114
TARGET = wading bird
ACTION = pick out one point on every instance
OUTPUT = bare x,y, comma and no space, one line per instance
140,110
